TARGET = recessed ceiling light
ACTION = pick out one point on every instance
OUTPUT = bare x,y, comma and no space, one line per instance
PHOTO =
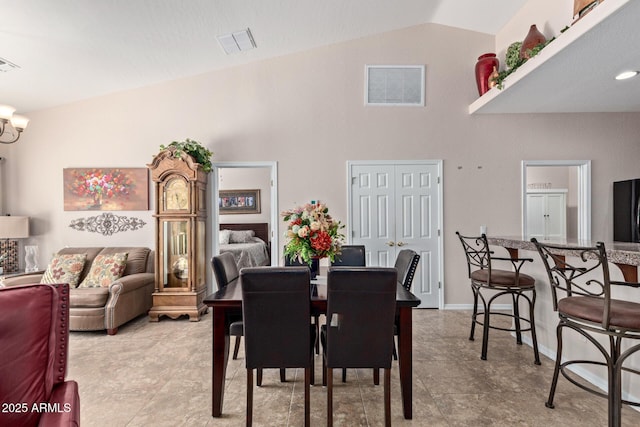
237,41
626,75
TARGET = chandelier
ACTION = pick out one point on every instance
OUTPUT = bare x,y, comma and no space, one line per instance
7,121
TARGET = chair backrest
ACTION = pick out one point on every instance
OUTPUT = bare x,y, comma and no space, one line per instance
586,274
276,310
293,262
361,306
34,325
406,265
224,268
476,250
350,256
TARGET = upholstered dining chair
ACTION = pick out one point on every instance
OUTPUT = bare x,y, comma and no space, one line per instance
489,283
226,271
406,265
581,289
361,306
277,318
34,338
350,256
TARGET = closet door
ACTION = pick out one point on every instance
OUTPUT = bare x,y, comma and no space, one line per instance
396,206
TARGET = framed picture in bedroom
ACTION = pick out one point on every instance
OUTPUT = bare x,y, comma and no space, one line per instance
239,202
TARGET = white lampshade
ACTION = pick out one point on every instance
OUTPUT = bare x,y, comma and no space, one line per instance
14,227
19,122
6,111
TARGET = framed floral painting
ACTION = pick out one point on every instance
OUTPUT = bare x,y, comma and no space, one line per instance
106,189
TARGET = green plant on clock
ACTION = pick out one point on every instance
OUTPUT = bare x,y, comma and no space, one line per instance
200,154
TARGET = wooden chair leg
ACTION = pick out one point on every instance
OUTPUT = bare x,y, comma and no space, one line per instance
249,397
307,396
283,375
344,375
236,347
387,397
376,376
329,375
259,381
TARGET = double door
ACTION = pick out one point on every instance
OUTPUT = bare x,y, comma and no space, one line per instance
547,214
395,206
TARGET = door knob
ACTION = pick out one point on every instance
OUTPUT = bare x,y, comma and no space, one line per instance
401,243
390,243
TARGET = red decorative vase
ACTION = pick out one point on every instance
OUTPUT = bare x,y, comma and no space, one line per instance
484,68
533,39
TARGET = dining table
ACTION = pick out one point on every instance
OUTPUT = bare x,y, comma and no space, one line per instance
226,304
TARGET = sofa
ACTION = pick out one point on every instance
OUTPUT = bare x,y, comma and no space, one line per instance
110,305
34,338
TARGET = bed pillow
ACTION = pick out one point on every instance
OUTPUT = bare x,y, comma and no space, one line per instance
241,236
64,269
105,270
224,237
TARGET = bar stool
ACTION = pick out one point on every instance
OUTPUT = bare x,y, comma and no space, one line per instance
587,308
485,278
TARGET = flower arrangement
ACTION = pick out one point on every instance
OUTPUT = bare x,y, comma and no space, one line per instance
312,233
99,184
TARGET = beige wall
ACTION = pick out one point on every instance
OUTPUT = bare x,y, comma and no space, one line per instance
306,112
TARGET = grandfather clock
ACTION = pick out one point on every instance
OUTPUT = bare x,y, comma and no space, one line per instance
180,218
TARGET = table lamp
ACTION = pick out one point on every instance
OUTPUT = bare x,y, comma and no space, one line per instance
11,228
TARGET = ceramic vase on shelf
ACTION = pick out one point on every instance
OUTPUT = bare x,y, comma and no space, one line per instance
484,67
533,39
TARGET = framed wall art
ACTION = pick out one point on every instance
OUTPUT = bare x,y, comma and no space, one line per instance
106,189
239,202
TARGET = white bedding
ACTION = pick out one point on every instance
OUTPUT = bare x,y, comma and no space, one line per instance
251,254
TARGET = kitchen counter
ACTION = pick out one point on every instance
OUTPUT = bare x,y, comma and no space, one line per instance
625,255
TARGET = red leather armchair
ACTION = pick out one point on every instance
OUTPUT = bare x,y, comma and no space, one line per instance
34,334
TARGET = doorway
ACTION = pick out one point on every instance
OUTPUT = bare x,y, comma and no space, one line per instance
545,176
395,205
268,172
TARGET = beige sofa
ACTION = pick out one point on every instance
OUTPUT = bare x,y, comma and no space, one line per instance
93,309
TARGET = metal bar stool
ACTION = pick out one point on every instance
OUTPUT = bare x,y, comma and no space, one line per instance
498,282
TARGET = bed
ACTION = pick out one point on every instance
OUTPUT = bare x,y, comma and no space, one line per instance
248,249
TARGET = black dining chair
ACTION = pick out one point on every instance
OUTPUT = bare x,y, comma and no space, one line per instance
406,265
489,283
225,271
294,262
277,318
581,290
361,307
350,256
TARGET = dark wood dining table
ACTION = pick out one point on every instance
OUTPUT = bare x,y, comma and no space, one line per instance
227,303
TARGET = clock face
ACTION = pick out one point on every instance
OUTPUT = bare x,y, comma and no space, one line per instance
176,195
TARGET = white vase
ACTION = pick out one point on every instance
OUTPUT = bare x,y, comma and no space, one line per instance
31,258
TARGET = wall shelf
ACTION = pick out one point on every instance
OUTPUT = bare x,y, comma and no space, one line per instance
575,72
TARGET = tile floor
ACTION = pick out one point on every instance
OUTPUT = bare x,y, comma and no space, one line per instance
159,374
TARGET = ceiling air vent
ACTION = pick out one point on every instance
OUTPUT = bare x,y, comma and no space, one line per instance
237,41
7,65
394,85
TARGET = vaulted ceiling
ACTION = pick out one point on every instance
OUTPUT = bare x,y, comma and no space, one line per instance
68,50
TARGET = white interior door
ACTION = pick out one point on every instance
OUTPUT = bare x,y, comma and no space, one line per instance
397,206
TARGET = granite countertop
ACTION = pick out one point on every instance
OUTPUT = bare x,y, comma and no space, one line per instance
617,252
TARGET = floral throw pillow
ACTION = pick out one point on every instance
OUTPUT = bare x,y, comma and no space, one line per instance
105,270
64,269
